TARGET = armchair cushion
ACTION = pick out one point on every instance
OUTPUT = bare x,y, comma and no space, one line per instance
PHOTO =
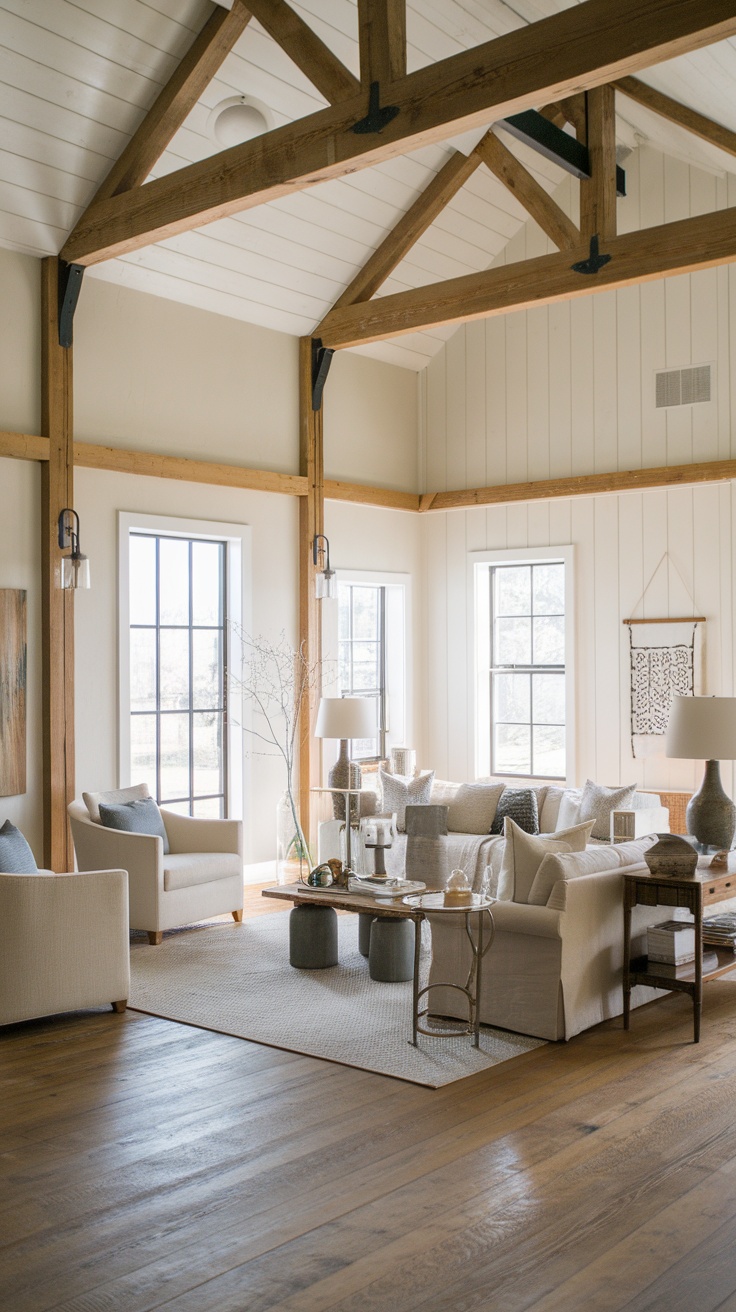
16,857
115,797
185,869
141,816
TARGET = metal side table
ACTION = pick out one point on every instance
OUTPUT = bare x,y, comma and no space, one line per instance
434,904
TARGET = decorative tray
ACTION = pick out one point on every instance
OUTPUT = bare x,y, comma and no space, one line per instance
385,887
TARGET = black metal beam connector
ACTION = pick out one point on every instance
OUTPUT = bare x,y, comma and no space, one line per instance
70,285
321,361
377,116
595,260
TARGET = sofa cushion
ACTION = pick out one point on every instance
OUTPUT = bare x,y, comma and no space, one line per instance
185,869
397,791
139,817
521,805
473,808
115,797
564,866
524,853
16,857
597,803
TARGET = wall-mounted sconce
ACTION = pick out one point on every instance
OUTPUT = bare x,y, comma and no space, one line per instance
75,566
324,582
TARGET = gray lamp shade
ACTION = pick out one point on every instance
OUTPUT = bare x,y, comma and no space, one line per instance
346,717
702,729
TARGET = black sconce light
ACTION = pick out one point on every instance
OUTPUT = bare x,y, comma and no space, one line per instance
75,566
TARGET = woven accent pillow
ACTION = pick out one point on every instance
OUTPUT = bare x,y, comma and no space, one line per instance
597,803
138,817
521,805
115,797
16,857
397,791
524,853
473,808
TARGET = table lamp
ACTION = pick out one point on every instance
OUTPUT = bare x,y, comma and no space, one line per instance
345,718
704,729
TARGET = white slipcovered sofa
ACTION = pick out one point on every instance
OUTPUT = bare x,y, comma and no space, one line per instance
63,943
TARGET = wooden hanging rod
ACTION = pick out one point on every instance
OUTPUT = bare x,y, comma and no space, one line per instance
676,619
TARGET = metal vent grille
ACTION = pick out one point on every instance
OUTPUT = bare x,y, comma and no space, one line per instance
683,386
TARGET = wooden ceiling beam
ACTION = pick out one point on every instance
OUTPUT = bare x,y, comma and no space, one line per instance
409,229
583,46
535,200
382,34
714,133
701,242
178,97
305,49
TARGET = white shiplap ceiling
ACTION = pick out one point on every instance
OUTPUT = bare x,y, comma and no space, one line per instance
77,76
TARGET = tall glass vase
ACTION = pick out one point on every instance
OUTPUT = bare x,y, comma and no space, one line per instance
292,855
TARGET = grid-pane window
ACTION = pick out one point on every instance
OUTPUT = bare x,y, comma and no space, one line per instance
177,671
528,669
362,656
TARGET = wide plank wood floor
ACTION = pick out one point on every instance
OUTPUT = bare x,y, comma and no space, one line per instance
145,1164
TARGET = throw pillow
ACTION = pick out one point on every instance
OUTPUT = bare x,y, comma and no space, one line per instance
398,790
524,853
115,797
569,812
521,805
473,808
138,817
598,802
16,857
561,868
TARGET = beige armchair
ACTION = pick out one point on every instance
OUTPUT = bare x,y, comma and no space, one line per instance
201,876
63,943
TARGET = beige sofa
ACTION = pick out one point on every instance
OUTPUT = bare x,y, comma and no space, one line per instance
63,943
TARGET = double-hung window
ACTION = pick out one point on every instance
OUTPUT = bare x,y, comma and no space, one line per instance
177,644
362,656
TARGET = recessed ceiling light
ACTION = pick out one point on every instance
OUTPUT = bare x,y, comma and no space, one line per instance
238,119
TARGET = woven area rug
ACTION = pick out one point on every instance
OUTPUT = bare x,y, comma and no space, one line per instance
236,979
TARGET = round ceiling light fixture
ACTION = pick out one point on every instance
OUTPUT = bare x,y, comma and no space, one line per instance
238,119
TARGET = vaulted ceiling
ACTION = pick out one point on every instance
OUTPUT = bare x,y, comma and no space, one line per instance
77,76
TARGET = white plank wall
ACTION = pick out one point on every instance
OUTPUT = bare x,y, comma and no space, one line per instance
570,390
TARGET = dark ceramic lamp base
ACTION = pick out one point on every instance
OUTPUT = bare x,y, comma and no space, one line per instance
711,815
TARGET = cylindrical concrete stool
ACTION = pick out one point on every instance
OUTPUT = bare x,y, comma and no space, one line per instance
313,937
365,920
391,953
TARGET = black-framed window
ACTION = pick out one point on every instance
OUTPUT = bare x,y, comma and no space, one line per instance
528,669
178,635
362,656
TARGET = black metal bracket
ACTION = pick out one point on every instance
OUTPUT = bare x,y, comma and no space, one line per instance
377,116
547,139
70,285
595,260
321,361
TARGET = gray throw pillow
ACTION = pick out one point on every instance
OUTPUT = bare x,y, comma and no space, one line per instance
139,817
398,791
520,805
597,803
16,857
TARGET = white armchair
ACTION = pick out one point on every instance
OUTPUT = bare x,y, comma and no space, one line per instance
201,875
63,943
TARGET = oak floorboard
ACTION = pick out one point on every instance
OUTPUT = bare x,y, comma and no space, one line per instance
148,1165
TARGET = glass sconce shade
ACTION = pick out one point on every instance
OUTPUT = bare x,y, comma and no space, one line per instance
325,583
75,566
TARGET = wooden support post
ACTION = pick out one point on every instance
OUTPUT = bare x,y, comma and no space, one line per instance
598,194
57,605
311,522
382,28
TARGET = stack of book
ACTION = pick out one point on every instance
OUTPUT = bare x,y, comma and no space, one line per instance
720,931
671,943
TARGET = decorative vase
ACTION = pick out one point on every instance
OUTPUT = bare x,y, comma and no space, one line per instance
673,856
292,856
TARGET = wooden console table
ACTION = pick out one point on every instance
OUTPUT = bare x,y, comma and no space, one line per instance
701,889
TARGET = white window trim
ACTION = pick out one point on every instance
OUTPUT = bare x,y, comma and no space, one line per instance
237,538
399,732
479,647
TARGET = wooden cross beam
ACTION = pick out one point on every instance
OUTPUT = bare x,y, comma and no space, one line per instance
584,46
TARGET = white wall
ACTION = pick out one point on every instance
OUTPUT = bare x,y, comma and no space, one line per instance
566,390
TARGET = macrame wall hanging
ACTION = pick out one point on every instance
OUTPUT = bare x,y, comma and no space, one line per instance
665,662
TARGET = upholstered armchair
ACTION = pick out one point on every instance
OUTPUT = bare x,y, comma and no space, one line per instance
200,876
63,943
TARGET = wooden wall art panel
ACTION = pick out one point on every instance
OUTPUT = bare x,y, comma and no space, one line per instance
12,692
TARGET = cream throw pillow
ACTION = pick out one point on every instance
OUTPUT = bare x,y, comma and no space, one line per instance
115,797
473,807
399,792
524,854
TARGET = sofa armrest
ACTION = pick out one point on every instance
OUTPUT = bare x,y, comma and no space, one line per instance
188,833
